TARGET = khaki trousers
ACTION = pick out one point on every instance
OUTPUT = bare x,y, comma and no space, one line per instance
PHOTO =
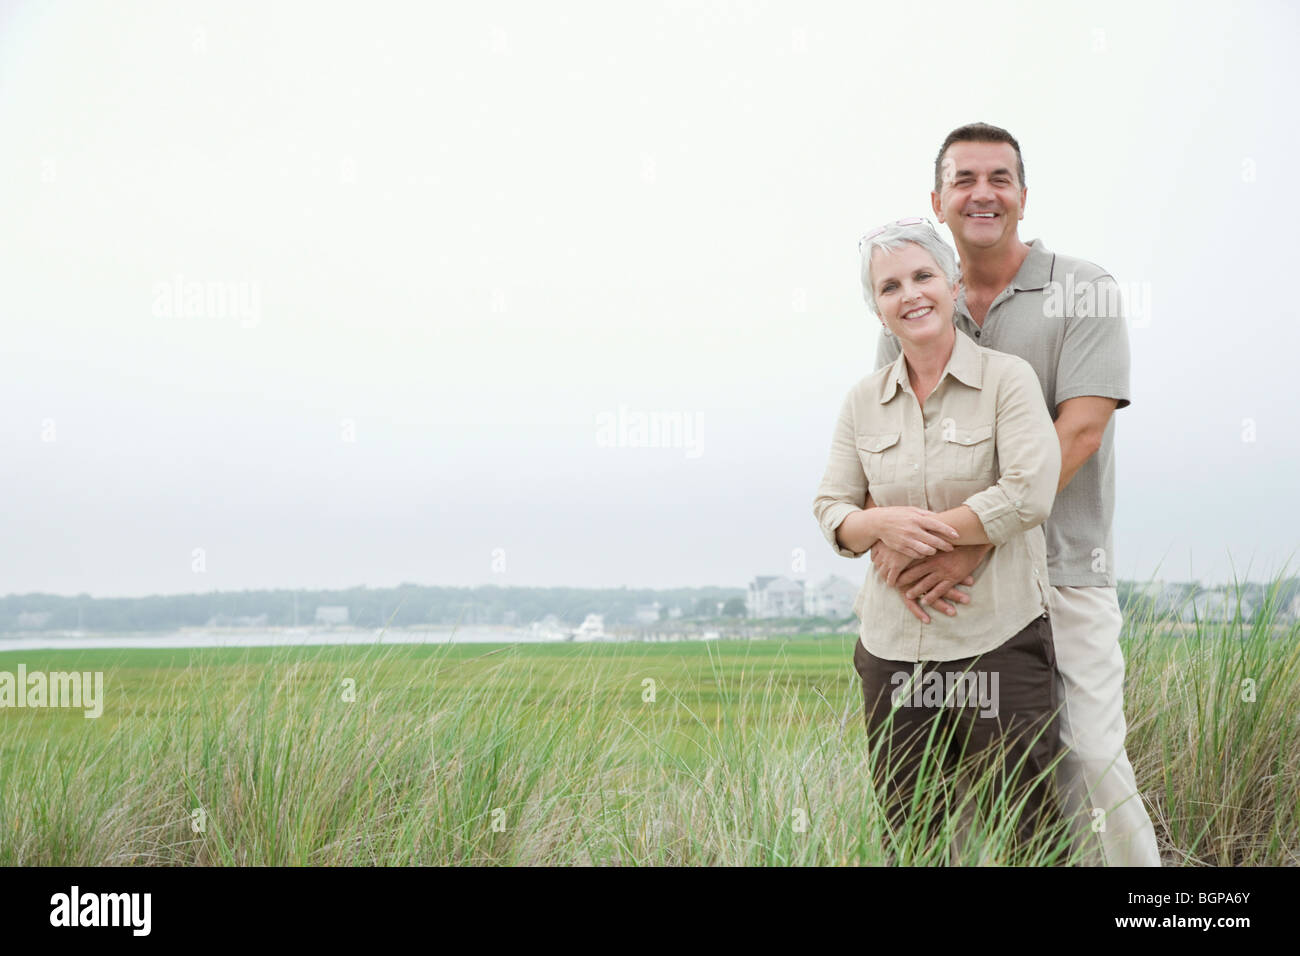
1095,781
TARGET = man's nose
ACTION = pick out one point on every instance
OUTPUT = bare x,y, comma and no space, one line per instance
983,191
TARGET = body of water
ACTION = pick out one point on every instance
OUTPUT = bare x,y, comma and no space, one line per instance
269,637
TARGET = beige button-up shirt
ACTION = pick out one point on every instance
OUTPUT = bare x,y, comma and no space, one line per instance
985,439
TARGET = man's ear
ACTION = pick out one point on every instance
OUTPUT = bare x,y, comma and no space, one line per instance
935,205
1024,193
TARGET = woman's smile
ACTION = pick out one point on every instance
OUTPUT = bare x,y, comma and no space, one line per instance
913,295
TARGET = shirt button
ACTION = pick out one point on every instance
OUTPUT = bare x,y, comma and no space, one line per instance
1017,502
916,467
977,333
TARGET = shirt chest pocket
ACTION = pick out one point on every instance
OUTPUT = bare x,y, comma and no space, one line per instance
880,454
969,453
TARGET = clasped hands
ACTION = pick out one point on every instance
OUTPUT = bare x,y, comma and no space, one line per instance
926,569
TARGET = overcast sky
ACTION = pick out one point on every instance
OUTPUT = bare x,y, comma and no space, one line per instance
308,295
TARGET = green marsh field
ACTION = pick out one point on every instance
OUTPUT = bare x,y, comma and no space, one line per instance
711,753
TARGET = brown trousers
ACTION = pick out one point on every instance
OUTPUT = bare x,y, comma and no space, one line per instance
1004,697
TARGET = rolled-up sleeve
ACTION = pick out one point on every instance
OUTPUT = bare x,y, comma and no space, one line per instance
843,489
1029,458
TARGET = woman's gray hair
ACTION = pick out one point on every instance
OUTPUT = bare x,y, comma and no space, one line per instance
924,235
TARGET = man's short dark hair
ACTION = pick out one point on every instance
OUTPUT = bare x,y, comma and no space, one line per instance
977,133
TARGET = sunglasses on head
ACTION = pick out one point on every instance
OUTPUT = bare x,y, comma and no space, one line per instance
914,221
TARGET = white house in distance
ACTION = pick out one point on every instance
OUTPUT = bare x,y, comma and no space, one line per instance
647,613
780,596
1219,604
774,596
651,613
332,614
1165,598
833,598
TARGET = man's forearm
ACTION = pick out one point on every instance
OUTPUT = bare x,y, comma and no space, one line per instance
1080,424
1076,448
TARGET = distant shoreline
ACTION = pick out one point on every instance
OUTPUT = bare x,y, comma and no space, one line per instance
302,636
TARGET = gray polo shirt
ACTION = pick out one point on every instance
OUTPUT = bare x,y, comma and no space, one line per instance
1064,317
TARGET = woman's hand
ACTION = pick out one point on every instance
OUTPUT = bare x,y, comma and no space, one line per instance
914,532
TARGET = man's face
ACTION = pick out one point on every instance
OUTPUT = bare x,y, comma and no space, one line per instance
982,200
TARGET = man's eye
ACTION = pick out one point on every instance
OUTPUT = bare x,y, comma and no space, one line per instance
922,276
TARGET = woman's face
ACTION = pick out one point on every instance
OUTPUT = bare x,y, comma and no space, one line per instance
914,298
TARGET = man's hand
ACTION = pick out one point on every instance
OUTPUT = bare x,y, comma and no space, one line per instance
889,563
931,579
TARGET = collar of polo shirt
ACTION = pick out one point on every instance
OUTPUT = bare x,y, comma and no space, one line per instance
1033,275
1036,271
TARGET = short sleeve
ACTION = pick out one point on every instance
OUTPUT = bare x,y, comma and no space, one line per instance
1094,357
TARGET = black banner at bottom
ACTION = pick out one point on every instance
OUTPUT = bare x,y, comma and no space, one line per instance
335,905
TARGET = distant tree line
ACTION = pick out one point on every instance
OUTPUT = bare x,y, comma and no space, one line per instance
407,605
412,605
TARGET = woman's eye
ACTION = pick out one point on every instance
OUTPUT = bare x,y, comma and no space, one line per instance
922,276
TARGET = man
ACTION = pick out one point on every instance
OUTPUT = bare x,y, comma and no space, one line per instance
1062,315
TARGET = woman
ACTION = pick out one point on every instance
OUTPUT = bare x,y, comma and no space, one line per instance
955,446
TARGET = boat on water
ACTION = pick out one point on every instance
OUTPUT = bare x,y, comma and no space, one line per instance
591,629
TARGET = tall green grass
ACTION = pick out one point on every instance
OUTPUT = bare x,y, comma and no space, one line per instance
742,753
1213,724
